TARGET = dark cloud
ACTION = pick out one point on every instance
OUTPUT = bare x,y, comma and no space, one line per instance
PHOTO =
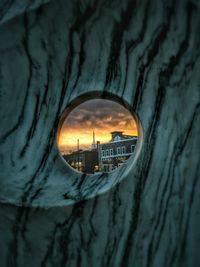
98,113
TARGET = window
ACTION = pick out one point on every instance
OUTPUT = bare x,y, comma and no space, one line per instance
117,138
132,148
123,150
107,152
118,150
111,151
103,153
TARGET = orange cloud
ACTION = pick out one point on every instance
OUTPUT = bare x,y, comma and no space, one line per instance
102,116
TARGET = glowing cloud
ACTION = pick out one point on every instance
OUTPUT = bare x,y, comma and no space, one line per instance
102,116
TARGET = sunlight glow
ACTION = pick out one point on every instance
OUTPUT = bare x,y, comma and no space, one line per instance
82,121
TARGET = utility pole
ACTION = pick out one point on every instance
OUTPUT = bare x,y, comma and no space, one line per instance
94,146
93,138
78,152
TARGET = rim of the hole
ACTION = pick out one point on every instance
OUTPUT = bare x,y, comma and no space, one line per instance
104,96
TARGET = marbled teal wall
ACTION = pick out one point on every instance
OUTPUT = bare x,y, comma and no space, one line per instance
145,53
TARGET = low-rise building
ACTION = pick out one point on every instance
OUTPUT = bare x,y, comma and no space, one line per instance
83,160
117,151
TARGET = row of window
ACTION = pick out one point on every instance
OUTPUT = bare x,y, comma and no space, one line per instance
107,152
120,151
110,167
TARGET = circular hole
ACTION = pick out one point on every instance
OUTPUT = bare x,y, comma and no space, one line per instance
97,135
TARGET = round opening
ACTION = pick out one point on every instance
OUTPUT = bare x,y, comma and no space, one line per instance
97,135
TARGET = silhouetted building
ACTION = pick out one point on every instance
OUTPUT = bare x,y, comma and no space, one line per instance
83,160
117,151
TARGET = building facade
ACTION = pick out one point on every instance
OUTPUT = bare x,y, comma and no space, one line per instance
114,153
103,157
83,160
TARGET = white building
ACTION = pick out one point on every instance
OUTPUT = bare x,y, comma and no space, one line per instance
117,151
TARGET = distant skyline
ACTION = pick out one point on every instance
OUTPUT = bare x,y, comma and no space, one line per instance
98,115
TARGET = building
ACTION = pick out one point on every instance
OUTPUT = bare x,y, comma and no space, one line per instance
103,157
86,161
116,152
83,160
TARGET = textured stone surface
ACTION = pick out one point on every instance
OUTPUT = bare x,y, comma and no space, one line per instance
12,8
146,213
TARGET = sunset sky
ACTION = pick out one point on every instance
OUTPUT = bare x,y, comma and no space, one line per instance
102,116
